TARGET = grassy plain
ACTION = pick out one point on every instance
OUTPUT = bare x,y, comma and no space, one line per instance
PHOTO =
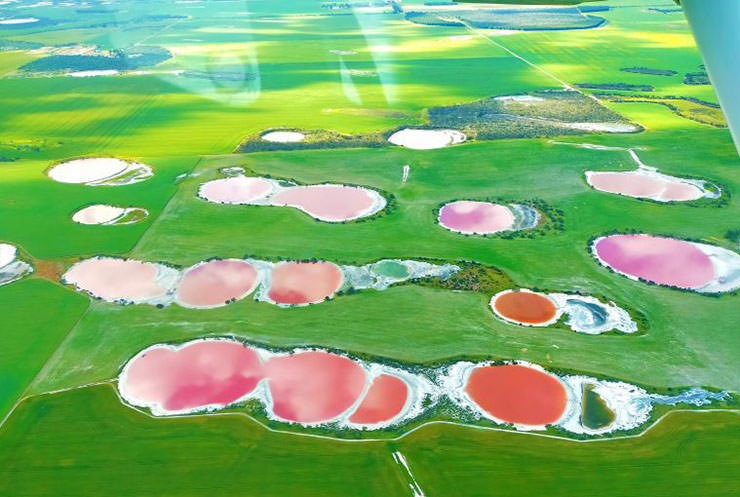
108,449
37,315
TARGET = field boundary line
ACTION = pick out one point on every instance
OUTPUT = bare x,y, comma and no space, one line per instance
110,382
164,207
541,69
400,460
44,367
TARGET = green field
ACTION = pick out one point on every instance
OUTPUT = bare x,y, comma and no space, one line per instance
107,449
275,64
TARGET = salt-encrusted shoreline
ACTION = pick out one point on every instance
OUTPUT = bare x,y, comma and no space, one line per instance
581,311
100,172
11,268
352,278
631,405
426,139
107,215
278,186
726,264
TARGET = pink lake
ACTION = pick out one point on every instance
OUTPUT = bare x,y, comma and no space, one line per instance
472,217
333,203
315,386
199,374
117,279
665,261
633,184
384,401
517,394
213,283
235,190
297,283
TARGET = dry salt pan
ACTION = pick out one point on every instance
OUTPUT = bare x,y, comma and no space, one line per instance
11,269
20,20
519,98
101,214
602,127
426,139
284,137
100,172
7,254
92,74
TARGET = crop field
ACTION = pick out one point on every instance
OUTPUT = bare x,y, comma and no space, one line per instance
505,107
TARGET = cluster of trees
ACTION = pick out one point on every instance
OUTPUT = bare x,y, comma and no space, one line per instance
544,19
314,139
491,118
119,60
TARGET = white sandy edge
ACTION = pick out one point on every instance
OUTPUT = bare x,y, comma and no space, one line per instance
480,233
601,127
11,268
166,277
630,404
558,308
92,74
379,202
83,171
426,139
169,278
419,388
620,319
561,305
508,206
265,269
455,378
19,20
519,98
8,253
244,295
104,214
283,136
650,172
719,256
621,398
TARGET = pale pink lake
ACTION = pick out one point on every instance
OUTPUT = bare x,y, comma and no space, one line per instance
471,217
304,282
213,283
311,387
665,261
235,190
637,185
116,279
333,203
384,401
198,374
